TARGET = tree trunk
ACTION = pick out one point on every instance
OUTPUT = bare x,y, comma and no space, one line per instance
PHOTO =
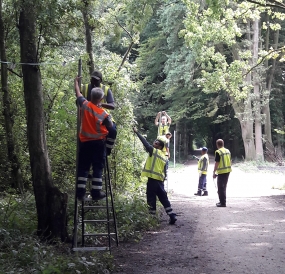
177,141
14,164
246,124
266,108
50,202
257,97
243,111
185,142
88,35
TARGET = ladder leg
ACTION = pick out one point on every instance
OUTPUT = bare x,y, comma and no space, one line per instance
107,208
82,223
75,224
112,202
75,221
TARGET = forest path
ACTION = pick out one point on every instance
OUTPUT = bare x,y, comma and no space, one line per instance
247,236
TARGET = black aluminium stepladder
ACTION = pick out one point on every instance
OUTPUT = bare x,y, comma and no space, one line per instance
95,226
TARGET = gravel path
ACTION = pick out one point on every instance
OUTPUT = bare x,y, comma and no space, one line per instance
247,236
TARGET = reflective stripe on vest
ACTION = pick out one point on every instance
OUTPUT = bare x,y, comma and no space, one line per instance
92,116
154,166
225,161
202,168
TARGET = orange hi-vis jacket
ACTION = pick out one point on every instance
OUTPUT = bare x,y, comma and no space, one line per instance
92,127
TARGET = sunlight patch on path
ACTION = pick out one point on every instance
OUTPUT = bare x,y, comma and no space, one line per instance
185,181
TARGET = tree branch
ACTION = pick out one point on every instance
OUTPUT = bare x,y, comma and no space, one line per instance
19,75
124,28
262,59
274,4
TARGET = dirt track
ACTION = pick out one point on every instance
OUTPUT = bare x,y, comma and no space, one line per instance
248,236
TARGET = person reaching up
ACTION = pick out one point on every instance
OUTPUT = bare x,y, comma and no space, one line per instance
163,122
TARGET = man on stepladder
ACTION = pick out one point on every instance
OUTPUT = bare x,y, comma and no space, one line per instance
107,103
163,121
95,123
154,170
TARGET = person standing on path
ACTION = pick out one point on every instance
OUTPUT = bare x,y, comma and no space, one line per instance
222,169
154,170
203,164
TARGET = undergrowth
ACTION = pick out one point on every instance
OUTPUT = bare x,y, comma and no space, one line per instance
22,252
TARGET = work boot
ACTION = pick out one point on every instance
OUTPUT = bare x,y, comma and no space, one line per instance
205,193
97,195
199,193
172,219
220,205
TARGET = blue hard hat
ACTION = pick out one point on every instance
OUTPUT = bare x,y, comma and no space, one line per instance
204,149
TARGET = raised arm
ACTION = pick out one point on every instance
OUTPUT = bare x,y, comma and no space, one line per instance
147,145
76,87
157,118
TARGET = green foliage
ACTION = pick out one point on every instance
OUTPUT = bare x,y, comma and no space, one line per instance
21,250
132,215
17,213
24,253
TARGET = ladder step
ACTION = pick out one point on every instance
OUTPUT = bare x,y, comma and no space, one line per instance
99,234
90,248
97,221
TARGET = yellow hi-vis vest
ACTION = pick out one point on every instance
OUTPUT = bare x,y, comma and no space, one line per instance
162,129
85,89
225,161
154,166
165,141
203,169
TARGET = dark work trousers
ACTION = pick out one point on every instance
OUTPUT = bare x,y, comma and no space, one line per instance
202,182
90,153
111,138
156,188
222,187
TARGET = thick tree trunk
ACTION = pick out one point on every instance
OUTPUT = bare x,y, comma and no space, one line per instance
14,164
50,202
257,98
266,108
88,35
246,124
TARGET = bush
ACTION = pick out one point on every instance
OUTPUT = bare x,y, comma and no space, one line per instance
132,216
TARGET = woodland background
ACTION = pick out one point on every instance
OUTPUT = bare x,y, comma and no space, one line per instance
216,67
